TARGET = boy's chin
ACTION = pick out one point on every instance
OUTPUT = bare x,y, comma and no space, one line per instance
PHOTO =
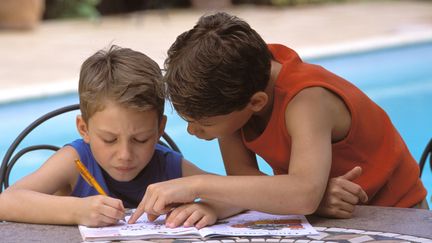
207,139
123,178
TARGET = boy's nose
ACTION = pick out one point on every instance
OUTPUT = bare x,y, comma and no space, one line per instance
124,152
191,128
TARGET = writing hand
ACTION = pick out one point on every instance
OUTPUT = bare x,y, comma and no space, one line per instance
99,210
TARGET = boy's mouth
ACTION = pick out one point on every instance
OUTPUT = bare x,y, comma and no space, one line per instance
124,169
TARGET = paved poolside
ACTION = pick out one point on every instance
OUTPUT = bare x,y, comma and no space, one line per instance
47,60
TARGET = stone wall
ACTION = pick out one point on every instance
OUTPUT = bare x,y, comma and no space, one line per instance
20,14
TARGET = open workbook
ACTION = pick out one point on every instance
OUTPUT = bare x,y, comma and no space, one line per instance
250,223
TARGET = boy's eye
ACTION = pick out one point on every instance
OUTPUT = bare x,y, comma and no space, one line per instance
140,140
109,140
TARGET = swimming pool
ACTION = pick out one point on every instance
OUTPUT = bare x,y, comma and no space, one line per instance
399,79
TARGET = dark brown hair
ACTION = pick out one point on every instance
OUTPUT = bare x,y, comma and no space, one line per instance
123,76
215,68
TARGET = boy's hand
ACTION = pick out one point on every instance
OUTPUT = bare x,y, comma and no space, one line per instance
191,214
160,198
99,210
342,195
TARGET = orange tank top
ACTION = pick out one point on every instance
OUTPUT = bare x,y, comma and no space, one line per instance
390,174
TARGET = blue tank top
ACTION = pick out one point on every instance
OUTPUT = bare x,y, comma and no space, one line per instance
164,165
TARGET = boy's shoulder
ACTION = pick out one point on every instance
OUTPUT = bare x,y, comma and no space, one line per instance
80,146
163,148
78,142
167,160
166,152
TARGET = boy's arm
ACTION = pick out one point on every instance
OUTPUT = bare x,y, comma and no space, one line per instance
310,119
222,210
202,213
238,160
309,123
281,194
341,194
32,199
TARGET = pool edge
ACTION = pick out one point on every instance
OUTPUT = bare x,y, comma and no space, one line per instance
39,90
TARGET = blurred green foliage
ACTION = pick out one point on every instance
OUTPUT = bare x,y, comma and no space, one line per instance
298,2
71,9
290,2
94,8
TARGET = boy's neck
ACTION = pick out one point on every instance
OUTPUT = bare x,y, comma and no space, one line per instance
265,113
258,122
274,74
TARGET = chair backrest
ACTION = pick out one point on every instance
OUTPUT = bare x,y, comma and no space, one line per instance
427,153
11,157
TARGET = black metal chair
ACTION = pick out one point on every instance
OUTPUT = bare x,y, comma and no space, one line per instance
11,157
427,152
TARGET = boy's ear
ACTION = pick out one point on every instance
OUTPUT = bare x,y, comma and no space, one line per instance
162,125
258,101
82,128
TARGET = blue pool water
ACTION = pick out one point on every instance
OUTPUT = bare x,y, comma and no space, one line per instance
398,79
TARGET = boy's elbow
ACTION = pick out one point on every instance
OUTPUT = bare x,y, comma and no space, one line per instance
311,200
309,208
3,208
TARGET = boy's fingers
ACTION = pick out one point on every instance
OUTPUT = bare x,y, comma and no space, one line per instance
342,210
348,197
363,196
352,187
344,214
177,220
200,222
146,205
346,207
353,174
356,190
113,202
113,208
193,218
152,217
134,217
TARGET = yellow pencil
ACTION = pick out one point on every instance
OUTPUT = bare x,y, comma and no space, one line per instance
89,178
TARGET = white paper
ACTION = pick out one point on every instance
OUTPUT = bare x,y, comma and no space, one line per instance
250,223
